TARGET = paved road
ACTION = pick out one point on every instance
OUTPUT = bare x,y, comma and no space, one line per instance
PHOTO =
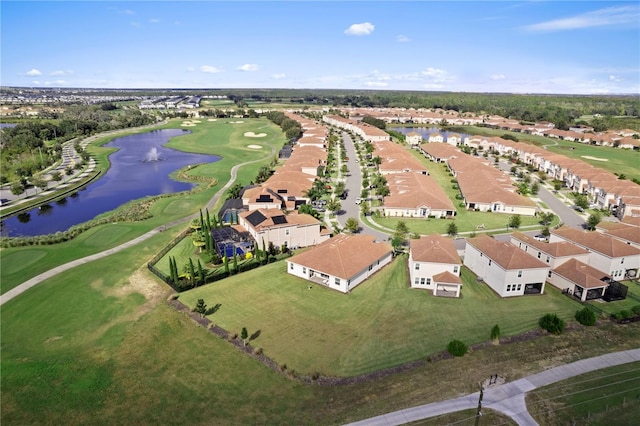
508,398
567,215
18,290
353,184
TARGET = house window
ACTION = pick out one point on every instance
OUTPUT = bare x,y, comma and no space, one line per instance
519,287
423,281
370,267
417,266
622,261
337,281
549,274
519,274
508,287
455,269
481,255
547,259
428,281
417,281
286,232
489,262
304,270
539,255
291,266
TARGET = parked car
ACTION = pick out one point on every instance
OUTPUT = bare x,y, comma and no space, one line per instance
358,200
540,237
578,208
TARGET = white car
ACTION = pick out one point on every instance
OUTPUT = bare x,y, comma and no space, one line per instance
540,237
358,200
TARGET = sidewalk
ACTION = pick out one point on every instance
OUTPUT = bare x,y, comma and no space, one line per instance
508,398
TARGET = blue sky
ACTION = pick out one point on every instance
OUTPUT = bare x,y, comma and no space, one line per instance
573,47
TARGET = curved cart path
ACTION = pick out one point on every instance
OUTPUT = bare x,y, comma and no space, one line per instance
508,398
21,288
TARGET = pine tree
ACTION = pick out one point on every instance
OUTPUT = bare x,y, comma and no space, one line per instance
235,261
192,272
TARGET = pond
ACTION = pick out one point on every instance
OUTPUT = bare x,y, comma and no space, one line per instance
139,168
426,131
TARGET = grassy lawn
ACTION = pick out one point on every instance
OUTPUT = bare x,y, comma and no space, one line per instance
619,305
98,344
371,328
603,397
618,160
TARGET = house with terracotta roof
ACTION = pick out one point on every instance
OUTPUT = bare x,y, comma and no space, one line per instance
606,253
416,195
342,262
553,254
262,197
434,265
505,269
413,138
439,152
292,230
583,281
454,139
626,233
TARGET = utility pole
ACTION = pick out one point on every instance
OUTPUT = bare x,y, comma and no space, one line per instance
479,411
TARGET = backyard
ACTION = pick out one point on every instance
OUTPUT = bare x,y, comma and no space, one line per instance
382,323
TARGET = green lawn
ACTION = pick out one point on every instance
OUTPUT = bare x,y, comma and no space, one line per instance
619,305
373,327
603,397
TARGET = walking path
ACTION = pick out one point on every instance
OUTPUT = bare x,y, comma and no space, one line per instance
21,288
508,398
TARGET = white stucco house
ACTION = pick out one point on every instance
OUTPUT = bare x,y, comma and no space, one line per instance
434,265
507,270
341,263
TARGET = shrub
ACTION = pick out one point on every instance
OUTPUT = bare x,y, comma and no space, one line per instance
636,309
552,323
495,332
457,348
586,316
625,314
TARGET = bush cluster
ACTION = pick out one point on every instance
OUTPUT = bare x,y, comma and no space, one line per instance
586,316
552,323
457,348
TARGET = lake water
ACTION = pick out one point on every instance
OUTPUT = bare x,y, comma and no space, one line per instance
140,168
426,131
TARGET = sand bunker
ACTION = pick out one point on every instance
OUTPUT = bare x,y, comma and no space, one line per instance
212,119
254,146
588,157
196,121
236,122
188,124
254,135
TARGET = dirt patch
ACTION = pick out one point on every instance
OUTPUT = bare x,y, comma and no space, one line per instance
255,135
588,157
254,146
53,339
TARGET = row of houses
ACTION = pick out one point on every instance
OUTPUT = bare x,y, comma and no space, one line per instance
482,186
625,138
580,263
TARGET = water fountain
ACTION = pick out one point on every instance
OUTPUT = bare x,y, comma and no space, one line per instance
153,155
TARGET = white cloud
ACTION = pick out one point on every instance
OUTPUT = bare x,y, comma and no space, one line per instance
209,69
279,76
364,28
36,82
248,67
60,72
614,78
497,77
402,38
598,18
33,72
376,83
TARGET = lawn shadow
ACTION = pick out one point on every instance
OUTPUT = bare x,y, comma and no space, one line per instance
255,335
213,309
